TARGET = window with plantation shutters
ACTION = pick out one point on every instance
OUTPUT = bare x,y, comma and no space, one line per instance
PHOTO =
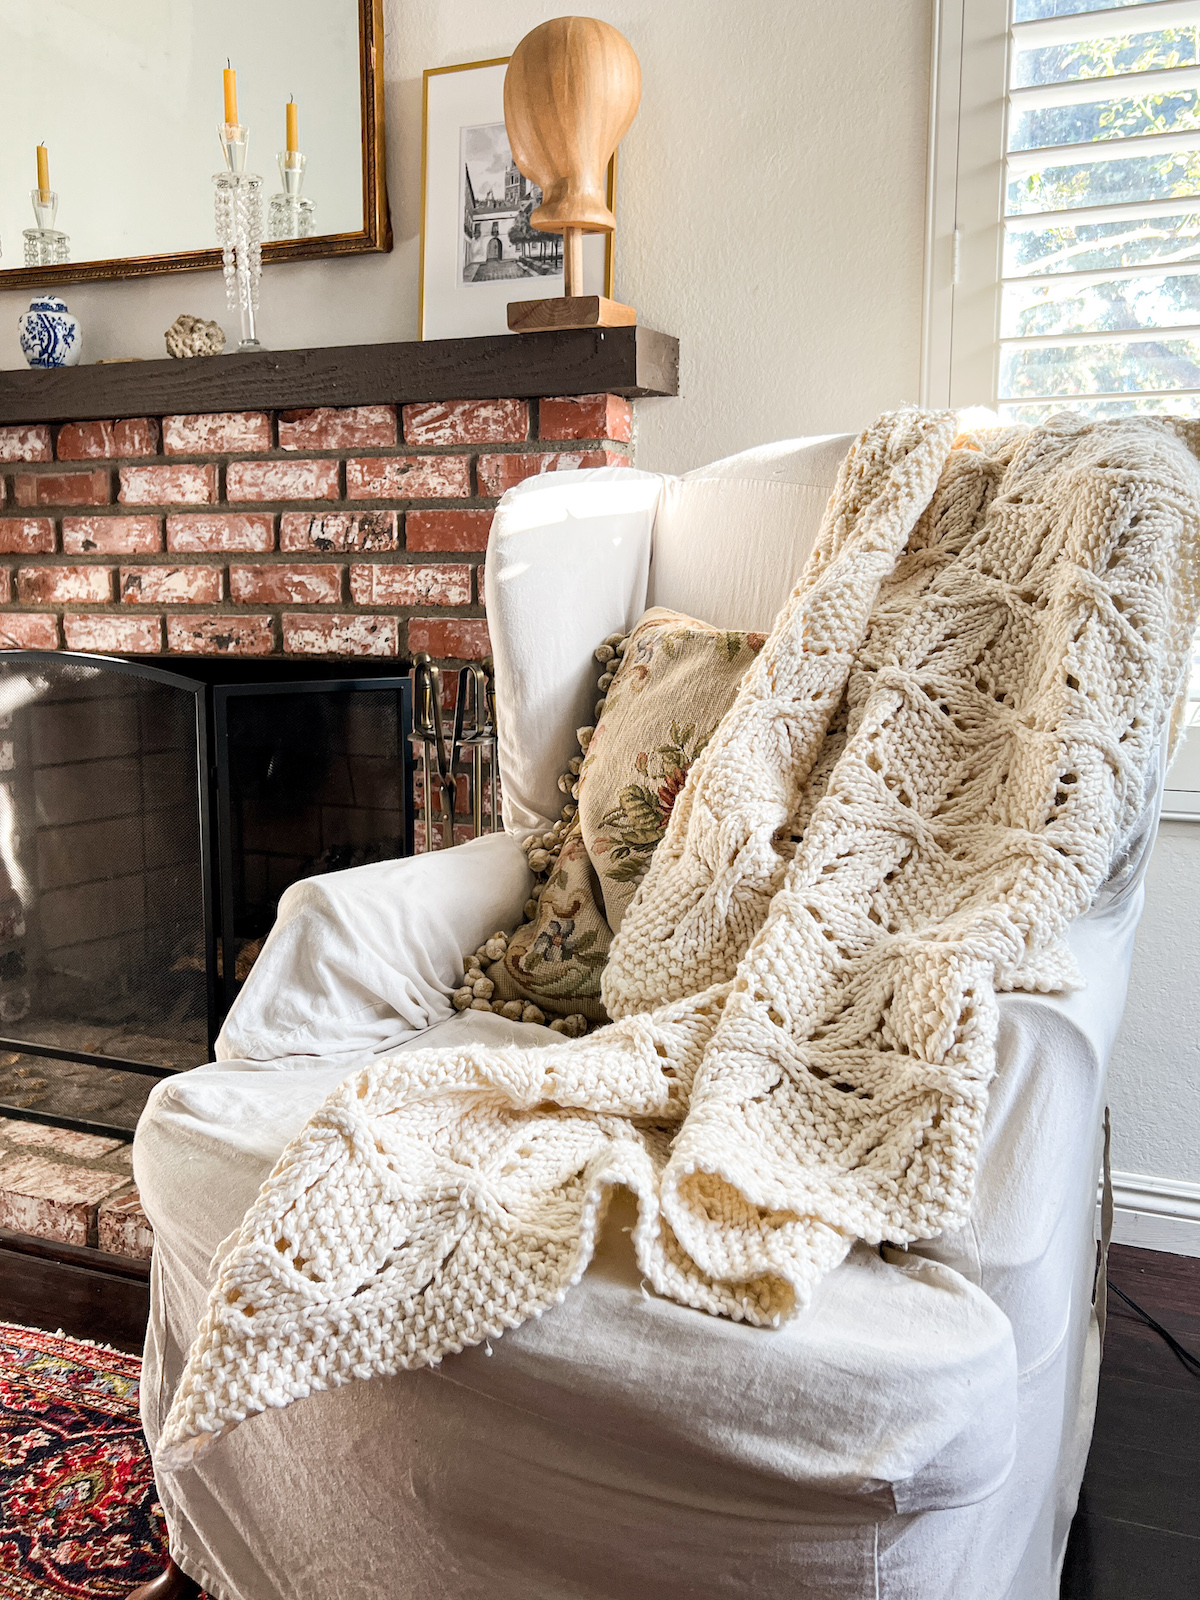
1101,258
1063,259
1083,285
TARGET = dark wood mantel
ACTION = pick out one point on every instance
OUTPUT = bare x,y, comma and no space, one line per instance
625,361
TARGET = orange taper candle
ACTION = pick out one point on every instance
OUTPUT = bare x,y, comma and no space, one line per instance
293,129
230,95
43,161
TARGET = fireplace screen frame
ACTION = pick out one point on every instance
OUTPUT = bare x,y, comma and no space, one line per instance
213,686
227,985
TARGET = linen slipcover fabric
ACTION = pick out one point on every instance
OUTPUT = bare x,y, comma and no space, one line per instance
805,983
663,690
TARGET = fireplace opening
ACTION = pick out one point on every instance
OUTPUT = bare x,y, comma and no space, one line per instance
150,819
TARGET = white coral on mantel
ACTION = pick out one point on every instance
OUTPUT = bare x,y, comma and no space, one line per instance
192,336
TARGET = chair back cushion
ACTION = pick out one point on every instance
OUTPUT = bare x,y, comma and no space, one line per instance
567,565
731,539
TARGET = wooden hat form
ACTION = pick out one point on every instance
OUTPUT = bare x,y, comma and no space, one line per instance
570,93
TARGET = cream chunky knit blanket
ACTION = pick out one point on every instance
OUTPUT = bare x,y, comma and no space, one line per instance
927,774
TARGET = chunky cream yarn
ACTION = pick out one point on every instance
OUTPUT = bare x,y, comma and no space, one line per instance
928,772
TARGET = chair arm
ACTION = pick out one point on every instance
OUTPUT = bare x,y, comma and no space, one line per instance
359,961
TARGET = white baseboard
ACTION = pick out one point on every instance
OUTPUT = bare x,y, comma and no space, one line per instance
1155,1213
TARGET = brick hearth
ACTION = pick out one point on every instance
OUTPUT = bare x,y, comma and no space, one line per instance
343,532
73,1188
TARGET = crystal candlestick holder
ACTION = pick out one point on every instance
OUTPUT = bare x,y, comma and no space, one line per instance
45,246
290,214
239,230
235,140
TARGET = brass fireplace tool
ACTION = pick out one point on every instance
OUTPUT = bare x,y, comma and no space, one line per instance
471,743
570,93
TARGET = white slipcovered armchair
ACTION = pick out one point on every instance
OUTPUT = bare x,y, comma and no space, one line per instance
919,1431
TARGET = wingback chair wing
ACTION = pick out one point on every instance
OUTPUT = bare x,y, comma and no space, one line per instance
919,1430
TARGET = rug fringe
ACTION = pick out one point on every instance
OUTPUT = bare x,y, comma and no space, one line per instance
70,1338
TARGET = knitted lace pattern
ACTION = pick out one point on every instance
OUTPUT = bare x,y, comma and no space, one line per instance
927,774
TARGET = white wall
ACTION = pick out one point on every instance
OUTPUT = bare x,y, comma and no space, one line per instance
1155,1082
770,208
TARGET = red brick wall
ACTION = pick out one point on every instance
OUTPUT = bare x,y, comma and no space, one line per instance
351,532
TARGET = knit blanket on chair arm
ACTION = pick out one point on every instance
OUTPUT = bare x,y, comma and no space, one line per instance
927,774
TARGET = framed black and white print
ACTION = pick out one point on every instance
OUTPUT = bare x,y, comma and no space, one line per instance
478,249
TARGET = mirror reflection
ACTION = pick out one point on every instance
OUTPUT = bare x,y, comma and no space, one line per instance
110,115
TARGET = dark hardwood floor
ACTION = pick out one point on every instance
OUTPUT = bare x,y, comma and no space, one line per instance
1137,1533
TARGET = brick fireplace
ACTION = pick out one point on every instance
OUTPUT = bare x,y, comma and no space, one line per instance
290,510
327,531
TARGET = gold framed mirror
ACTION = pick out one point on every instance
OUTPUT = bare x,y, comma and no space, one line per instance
125,97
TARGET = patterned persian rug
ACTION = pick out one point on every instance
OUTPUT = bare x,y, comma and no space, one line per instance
79,1516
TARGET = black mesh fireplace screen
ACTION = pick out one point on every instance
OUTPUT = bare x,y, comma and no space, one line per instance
149,822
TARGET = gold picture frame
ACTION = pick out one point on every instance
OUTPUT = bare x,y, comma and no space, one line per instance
610,189
374,235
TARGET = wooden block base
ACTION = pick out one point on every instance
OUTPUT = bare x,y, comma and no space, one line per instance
569,311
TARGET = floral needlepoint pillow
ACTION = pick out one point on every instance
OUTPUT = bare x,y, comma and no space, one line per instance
664,689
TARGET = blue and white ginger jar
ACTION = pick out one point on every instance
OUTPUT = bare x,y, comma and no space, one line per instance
49,333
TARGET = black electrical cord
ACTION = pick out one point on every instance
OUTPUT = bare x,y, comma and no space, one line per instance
1191,1363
